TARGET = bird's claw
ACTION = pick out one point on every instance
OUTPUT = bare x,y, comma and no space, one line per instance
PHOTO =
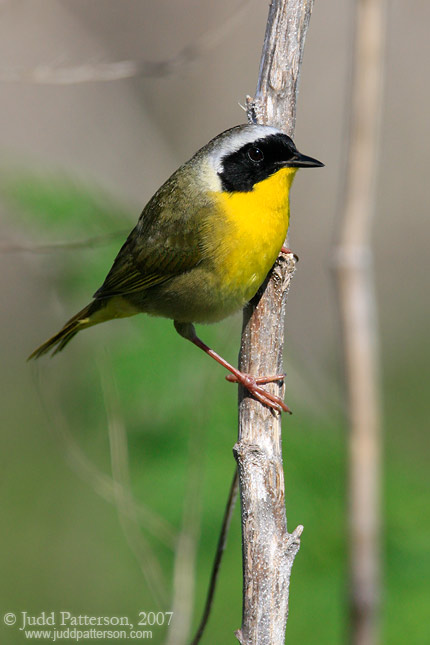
287,251
249,381
252,384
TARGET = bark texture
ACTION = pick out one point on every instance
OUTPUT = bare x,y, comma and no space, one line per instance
268,549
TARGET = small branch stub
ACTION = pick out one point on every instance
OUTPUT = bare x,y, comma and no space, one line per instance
266,571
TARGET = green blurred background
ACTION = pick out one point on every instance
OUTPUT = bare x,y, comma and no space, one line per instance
78,162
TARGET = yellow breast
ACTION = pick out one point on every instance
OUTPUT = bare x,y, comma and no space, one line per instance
255,227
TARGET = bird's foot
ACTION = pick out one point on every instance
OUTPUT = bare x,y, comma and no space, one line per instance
253,383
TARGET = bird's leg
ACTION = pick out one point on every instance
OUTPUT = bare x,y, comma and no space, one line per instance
251,383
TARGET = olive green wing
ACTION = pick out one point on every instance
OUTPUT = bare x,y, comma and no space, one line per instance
165,243
135,270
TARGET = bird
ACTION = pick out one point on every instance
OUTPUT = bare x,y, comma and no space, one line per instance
204,243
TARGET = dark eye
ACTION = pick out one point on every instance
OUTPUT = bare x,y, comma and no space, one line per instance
255,154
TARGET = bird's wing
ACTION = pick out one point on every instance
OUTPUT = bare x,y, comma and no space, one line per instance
164,244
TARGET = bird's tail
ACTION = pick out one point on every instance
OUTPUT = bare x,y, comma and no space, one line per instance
84,318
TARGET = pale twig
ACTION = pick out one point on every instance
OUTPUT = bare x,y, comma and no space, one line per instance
148,562
184,577
267,547
114,71
357,306
183,584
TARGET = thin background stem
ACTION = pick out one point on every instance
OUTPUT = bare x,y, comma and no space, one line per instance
222,541
357,306
137,542
102,72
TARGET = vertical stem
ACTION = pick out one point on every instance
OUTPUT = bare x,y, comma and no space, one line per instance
268,549
358,320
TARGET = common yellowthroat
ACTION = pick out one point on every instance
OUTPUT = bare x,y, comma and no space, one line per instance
204,243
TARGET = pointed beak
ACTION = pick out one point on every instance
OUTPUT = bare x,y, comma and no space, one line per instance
302,161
